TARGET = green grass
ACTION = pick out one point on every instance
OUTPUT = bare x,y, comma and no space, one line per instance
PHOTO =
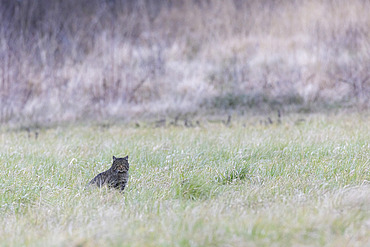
301,183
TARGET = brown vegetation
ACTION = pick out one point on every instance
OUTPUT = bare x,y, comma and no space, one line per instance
69,60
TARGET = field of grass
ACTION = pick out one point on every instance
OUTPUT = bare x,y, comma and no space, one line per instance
303,182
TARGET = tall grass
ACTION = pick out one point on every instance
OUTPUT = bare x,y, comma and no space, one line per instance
285,184
68,60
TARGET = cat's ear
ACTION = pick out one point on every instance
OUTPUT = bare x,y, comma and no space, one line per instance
126,158
114,158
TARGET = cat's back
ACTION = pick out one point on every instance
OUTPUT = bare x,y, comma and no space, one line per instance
100,179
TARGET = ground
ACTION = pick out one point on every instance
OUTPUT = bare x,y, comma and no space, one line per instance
302,182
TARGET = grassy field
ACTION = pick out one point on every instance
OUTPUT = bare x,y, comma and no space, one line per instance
303,182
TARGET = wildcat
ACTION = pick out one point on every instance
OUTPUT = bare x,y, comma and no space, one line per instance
115,177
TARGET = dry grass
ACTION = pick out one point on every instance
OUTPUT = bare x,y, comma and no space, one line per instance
68,60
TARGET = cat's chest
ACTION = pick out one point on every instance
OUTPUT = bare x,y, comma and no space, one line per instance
118,176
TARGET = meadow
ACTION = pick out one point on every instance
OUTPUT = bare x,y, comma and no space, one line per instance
301,181
190,90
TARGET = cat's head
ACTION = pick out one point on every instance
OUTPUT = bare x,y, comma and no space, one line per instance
120,164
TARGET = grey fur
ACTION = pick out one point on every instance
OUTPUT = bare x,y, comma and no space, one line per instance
115,177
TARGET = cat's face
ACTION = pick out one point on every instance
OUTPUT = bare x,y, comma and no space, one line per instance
120,164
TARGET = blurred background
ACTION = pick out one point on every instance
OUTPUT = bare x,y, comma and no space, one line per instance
68,60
